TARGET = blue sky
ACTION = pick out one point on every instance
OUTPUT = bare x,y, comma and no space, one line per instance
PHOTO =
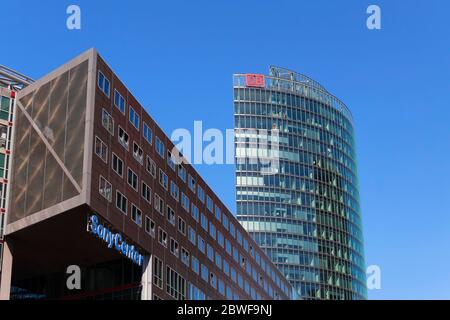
178,58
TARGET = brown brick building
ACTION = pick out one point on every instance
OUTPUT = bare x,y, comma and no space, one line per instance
90,163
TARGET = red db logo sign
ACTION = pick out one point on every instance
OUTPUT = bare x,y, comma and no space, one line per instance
255,80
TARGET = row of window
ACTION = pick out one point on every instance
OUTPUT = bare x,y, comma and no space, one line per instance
178,288
134,118
101,149
297,114
105,190
173,245
311,99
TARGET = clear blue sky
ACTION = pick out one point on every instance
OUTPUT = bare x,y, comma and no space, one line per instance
178,58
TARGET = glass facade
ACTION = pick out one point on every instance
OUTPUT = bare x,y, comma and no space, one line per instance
118,279
304,212
7,98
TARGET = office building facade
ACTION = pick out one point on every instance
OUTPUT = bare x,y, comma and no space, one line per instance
7,97
304,212
10,83
95,185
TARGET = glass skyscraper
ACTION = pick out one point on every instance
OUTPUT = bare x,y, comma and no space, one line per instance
297,182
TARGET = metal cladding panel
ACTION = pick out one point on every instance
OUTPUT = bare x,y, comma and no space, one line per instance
57,113
76,115
53,175
20,162
35,174
49,143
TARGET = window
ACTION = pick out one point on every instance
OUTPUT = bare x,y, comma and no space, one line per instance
124,139
212,230
101,149
121,202
228,246
147,133
225,221
136,215
234,275
170,215
185,202
162,237
108,122
138,154
195,265
150,226
174,191
220,238
174,247
171,161
239,237
160,147
150,166
134,118
209,204
204,273
218,260
158,272
239,278
226,267
230,293
195,293
246,244
163,179
221,287
213,280
185,256
181,226
195,213
235,254
159,204
192,235
119,101
258,258
232,230
146,192
204,222
192,183
201,244
200,194
5,110
132,179
117,165
175,284
182,173
218,213
103,83
105,189
210,252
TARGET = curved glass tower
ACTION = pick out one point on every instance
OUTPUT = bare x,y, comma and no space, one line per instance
297,183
